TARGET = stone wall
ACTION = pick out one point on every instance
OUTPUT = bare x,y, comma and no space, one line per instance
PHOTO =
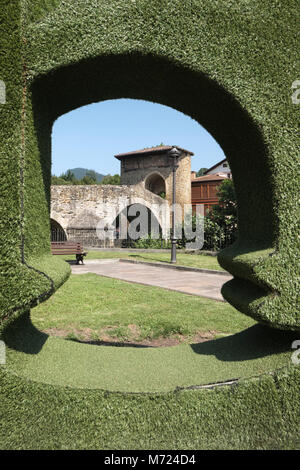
79,209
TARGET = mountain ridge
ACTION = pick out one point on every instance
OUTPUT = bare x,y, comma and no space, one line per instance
79,173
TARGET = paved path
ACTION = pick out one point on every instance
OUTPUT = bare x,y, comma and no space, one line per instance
202,284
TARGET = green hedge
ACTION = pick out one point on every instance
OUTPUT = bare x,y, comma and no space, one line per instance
230,66
23,283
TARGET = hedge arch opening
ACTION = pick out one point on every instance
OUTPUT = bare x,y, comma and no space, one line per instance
160,80
195,95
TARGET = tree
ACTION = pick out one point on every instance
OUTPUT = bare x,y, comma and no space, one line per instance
88,180
69,176
201,172
57,180
220,224
92,175
109,179
224,214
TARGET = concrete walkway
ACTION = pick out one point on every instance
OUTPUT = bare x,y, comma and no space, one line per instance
188,282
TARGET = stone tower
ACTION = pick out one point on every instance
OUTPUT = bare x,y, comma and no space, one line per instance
152,169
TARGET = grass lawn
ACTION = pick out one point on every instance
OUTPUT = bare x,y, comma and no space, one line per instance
247,353
91,307
58,394
183,259
214,341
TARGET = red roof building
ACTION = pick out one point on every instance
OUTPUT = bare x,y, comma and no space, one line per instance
204,188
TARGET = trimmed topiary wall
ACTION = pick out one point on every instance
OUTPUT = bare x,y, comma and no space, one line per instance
229,65
23,283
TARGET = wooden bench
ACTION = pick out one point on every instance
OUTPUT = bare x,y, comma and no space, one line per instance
68,248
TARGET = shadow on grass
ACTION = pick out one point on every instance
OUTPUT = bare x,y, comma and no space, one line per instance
22,335
253,343
117,344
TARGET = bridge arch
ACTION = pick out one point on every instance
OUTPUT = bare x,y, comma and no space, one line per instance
147,220
58,234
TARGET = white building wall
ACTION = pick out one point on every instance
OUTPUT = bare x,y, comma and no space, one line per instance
221,169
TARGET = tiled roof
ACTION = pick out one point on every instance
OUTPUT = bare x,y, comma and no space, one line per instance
160,149
214,177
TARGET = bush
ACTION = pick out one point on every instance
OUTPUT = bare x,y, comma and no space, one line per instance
149,242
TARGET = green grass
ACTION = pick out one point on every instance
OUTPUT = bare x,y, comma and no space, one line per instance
59,394
193,261
256,414
183,259
97,305
242,349
250,352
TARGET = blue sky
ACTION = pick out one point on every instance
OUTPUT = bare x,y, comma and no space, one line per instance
90,136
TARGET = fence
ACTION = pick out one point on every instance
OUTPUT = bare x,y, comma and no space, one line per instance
58,235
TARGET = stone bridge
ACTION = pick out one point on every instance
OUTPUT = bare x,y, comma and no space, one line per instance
79,210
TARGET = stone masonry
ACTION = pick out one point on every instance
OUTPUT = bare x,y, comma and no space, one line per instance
80,209
146,175
138,166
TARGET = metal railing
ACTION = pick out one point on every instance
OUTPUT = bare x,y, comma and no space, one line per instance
58,235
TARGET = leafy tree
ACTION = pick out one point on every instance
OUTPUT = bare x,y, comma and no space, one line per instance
57,180
201,172
68,176
109,179
225,212
214,235
88,180
220,224
92,175
222,218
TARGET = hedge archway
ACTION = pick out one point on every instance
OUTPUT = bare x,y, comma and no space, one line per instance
228,65
61,56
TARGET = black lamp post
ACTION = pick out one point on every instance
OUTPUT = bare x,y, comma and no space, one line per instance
174,153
